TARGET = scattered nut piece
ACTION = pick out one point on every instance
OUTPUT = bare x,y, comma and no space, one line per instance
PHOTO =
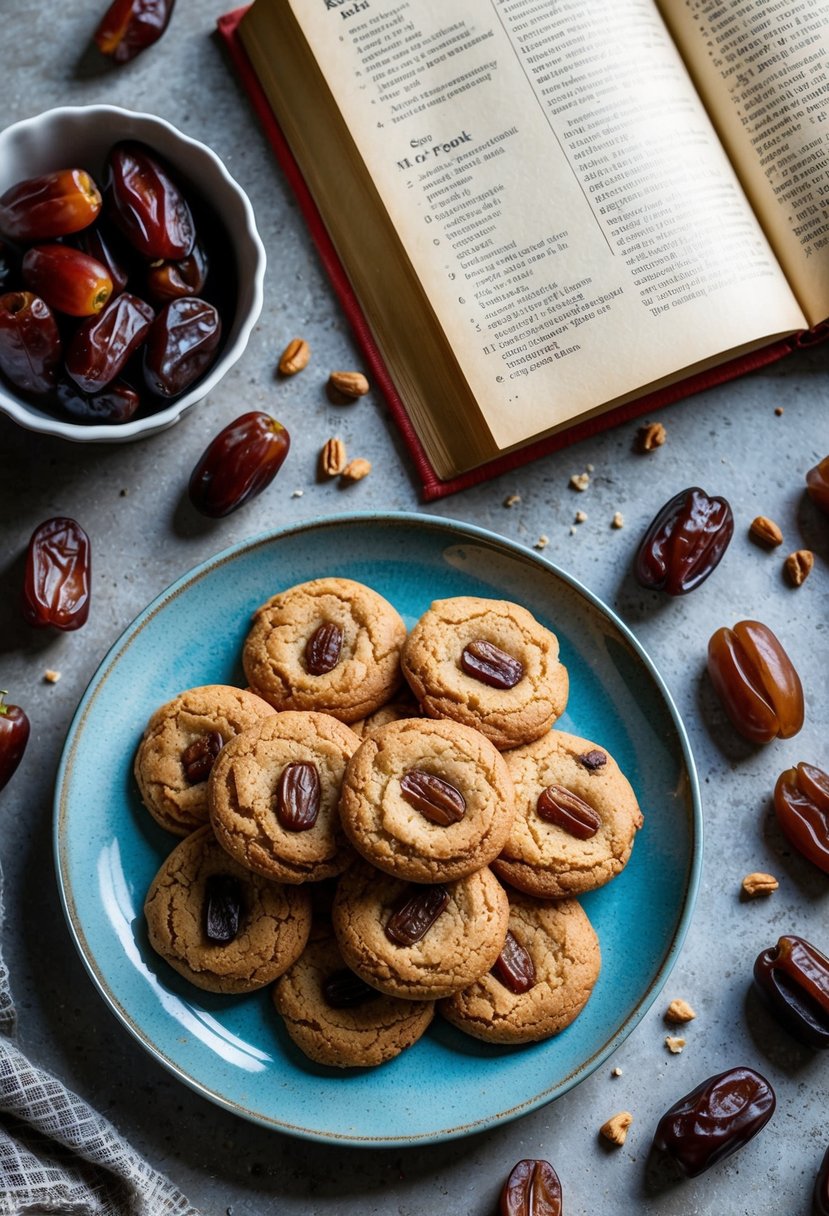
580,481
616,1128
356,469
512,500
778,409
618,520
572,531
616,1072
651,435
674,1044
50,676
581,517
765,531
758,884
798,566
294,357
332,457
589,467
350,384
679,1011
297,493
542,542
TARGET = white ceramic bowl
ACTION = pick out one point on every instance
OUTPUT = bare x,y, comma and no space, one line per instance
81,136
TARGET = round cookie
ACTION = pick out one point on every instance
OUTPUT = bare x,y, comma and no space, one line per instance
366,669
175,755
393,789
459,946
273,927
509,716
543,858
358,1035
252,819
565,956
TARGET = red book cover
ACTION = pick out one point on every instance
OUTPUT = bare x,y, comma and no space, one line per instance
433,486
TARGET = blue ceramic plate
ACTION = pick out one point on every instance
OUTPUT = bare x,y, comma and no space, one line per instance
233,1049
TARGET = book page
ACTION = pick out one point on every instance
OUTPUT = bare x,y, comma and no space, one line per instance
763,71
558,189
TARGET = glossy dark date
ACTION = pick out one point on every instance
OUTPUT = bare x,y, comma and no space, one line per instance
147,205
181,345
323,648
801,803
532,1189
56,587
514,966
14,735
116,403
30,345
69,280
99,243
437,800
684,543
413,919
238,464
490,665
793,979
128,27
345,990
171,280
756,681
52,205
222,908
716,1119
101,347
298,795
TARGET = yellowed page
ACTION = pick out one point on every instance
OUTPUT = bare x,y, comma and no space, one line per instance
763,70
558,189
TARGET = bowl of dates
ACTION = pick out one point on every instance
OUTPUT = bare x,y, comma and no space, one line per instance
130,273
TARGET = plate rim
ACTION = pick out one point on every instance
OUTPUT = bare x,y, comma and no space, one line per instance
470,532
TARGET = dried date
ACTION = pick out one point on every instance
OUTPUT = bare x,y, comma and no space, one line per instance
438,800
116,403
14,735
514,967
413,919
69,280
101,245
56,587
345,990
171,280
801,803
793,979
222,908
323,648
239,463
532,1189
30,345
130,26
756,682
716,1119
51,205
817,484
684,543
566,810
101,346
146,204
198,757
181,345
298,794
492,666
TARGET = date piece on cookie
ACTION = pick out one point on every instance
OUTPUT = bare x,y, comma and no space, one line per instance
221,927
330,644
488,664
427,800
575,821
180,746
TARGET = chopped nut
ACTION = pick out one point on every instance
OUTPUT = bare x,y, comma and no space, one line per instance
350,384
616,1128
542,542
294,357
356,469
758,884
778,409
297,493
332,458
765,531
572,531
798,566
512,500
618,520
673,1044
616,1072
679,1011
581,517
589,467
580,481
50,676
651,435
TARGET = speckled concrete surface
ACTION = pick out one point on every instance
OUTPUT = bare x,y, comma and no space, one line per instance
132,499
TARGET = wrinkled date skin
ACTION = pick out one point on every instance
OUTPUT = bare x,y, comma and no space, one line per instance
793,979
222,908
323,649
298,794
14,735
756,682
413,919
30,345
820,1196
532,1189
147,205
171,280
69,280
116,403
567,811
181,345
437,800
128,27
100,245
514,967
55,204
801,803
490,665
102,345
817,484
684,543
716,1119
238,464
56,587
345,990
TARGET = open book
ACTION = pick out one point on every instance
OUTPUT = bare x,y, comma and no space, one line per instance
548,208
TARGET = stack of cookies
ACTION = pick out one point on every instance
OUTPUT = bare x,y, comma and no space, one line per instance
455,826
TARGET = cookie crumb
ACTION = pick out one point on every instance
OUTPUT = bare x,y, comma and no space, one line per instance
757,884
618,520
651,435
581,517
297,493
674,1044
679,1011
616,1128
51,676
542,542
778,409
580,481
616,1072
512,500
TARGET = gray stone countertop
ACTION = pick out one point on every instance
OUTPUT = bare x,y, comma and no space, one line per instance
751,440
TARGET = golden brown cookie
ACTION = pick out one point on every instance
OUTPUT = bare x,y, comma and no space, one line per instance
218,925
337,1019
423,950
273,796
488,664
179,747
578,834
331,644
521,1001
427,800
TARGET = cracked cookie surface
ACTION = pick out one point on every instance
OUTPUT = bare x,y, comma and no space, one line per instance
365,1034
367,671
244,799
566,959
398,837
176,802
509,717
274,924
461,944
543,858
